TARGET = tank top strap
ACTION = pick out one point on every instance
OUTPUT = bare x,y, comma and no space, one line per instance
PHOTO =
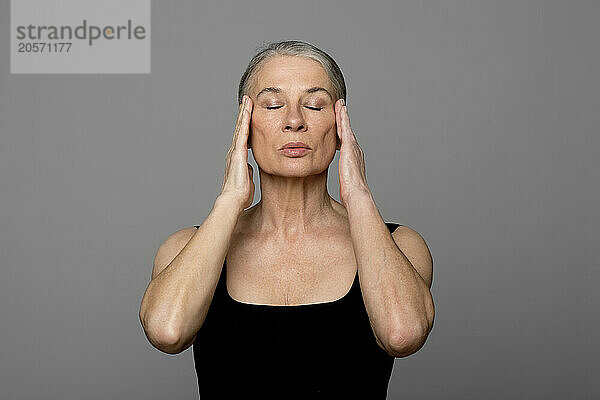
392,226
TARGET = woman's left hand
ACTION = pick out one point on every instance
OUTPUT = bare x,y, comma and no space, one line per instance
353,177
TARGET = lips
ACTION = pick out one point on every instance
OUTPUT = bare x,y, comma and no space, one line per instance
295,145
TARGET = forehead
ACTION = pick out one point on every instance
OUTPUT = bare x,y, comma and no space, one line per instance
291,72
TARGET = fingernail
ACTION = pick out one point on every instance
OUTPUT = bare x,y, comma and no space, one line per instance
343,102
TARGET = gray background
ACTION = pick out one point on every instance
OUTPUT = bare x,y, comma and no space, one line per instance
479,122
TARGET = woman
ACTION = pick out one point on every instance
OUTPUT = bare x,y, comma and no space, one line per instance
299,296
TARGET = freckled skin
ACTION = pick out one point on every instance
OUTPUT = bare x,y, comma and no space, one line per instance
294,120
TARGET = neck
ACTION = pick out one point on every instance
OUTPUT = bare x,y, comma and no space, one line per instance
294,206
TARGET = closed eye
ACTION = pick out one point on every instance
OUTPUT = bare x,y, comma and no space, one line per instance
310,108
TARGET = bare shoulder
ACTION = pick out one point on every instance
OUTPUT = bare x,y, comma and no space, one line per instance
170,248
414,247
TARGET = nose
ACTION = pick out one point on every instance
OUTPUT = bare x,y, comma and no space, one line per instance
294,120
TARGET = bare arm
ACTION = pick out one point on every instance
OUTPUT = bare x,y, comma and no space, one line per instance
186,270
395,285
177,298
395,270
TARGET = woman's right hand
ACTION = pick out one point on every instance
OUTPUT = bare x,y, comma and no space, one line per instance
237,183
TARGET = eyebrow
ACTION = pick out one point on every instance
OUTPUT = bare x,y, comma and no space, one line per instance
314,89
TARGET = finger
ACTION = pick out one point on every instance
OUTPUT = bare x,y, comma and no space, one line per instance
239,120
244,128
239,116
236,127
338,118
346,128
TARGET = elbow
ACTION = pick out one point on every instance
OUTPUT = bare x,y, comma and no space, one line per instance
167,342
404,342
162,337
407,339
402,345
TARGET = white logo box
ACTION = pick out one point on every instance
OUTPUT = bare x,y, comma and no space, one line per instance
80,36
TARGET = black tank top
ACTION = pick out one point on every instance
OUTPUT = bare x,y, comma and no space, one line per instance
310,351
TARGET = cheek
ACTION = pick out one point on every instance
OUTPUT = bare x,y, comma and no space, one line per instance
261,120
328,122
324,120
256,123
260,128
331,117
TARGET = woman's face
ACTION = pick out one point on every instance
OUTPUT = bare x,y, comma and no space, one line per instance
293,102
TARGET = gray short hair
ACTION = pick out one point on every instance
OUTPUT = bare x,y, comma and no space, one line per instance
293,48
